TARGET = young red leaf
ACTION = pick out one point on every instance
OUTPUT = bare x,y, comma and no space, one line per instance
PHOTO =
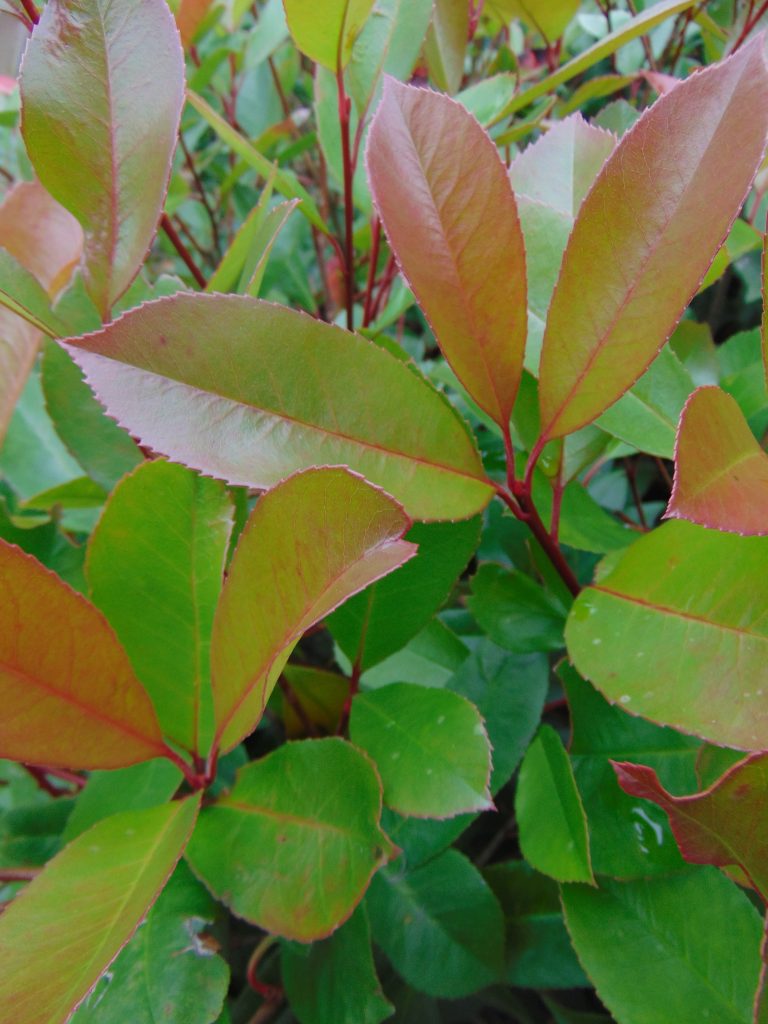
317,539
646,234
722,825
449,212
721,472
102,89
253,392
67,690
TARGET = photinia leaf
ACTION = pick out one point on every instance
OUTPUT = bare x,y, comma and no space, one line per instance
67,689
158,578
46,242
167,968
189,17
313,695
696,149
516,612
428,162
550,20
446,44
22,294
327,32
550,814
301,827
106,880
721,472
725,824
102,88
187,375
312,542
335,982
440,925
430,747
648,945
382,619
693,600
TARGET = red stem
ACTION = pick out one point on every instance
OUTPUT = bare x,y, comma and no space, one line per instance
32,11
18,874
181,249
374,259
749,24
354,686
345,108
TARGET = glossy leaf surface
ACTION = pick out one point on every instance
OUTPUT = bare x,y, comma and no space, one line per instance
102,90
721,472
319,537
186,374
112,874
430,747
450,215
326,33
550,815
302,830
722,825
674,183
692,600
157,579
516,613
660,968
89,710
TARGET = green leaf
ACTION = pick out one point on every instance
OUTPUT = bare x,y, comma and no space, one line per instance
22,294
446,44
697,147
319,537
627,839
69,695
550,20
721,472
166,972
327,400
131,789
158,581
549,812
538,950
683,948
301,827
382,619
105,880
515,612
320,695
440,925
107,160
430,747
327,33
428,160
270,31
103,449
690,599
335,981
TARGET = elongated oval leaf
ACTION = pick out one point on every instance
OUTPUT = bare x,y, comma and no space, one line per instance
692,600
721,472
22,294
102,89
67,689
309,544
301,828
445,200
673,185
252,392
326,32
446,43
157,578
85,905
725,824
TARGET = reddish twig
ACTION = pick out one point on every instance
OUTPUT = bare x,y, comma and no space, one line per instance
8,875
201,192
32,12
749,23
372,265
175,240
345,109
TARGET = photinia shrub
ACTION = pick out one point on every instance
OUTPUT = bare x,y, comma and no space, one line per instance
383,512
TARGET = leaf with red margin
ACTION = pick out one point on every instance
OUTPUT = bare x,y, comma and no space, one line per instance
102,87
721,472
68,694
672,186
252,392
449,212
47,242
83,908
309,544
723,825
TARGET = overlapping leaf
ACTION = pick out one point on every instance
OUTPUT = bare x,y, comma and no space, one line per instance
326,33
251,392
450,214
721,472
674,184
446,44
67,689
102,90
